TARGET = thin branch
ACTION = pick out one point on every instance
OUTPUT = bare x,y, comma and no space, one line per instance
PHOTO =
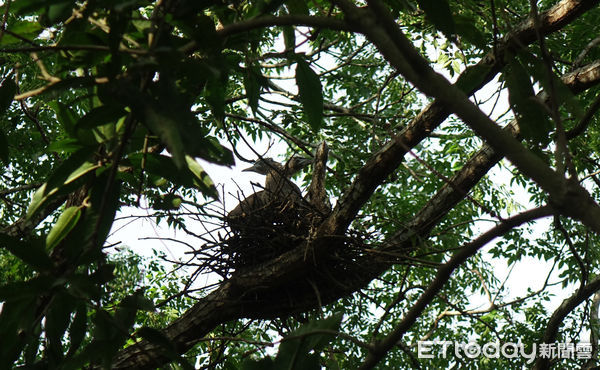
389,157
563,158
558,316
585,120
19,189
442,276
592,44
567,195
43,89
28,49
582,266
268,21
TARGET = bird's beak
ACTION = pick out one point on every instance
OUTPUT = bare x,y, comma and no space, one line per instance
250,169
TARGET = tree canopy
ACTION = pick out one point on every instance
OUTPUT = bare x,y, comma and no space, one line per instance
426,122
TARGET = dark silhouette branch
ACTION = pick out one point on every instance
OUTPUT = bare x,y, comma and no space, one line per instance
566,195
389,157
236,296
380,349
567,306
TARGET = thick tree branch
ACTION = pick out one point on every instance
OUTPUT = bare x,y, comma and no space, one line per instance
389,157
24,225
244,294
378,25
380,349
269,21
227,303
482,161
561,312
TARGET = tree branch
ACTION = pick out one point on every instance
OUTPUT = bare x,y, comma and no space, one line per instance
210,311
241,295
380,349
561,312
565,194
269,21
389,157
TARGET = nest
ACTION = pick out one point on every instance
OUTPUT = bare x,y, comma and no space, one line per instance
263,233
266,225
266,231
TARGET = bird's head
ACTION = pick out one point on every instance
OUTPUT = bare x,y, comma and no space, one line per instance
264,166
297,163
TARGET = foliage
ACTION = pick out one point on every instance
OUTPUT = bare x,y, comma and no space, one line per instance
115,104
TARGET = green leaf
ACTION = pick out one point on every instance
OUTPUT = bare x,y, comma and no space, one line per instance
103,203
7,93
189,8
85,285
100,124
16,317
265,6
168,202
22,7
473,77
533,120
295,351
297,7
57,321
214,93
59,11
456,66
77,329
163,166
538,69
65,146
466,29
192,176
68,83
167,129
201,178
26,29
126,312
574,106
65,223
33,345
74,167
37,200
104,273
63,179
101,115
209,149
310,93
200,28
402,6
438,12
25,289
31,252
252,88
266,363
66,116
195,139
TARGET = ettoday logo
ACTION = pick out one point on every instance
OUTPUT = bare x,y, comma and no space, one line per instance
473,350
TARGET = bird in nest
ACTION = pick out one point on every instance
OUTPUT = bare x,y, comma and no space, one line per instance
279,191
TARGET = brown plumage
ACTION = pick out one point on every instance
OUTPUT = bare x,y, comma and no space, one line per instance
279,191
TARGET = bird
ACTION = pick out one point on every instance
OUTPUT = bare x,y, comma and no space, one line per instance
279,191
